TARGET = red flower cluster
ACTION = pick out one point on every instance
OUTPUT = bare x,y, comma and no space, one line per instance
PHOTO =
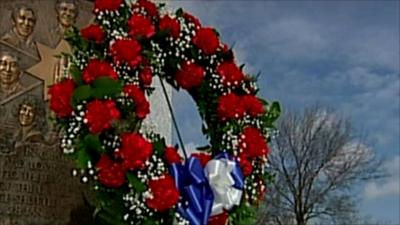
149,7
190,75
245,165
232,106
100,115
220,219
128,51
142,106
191,19
253,143
140,26
96,69
165,194
110,5
135,150
110,174
253,106
146,76
61,96
203,158
230,74
171,25
171,155
207,40
93,33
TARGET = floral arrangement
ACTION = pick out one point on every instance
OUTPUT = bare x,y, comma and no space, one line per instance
137,177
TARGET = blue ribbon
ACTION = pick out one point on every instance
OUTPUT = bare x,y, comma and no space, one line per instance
197,196
236,173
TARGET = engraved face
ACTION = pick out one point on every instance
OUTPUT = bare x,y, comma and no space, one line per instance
9,69
66,13
24,22
26,115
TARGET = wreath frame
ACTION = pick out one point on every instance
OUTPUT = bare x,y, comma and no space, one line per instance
101,103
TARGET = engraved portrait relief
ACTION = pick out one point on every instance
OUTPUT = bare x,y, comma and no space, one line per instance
31,125
36,186
20,35
67,13
10,73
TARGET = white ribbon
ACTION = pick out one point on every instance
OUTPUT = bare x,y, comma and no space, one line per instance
218,172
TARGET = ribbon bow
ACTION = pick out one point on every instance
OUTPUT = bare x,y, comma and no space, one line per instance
196,193
226,181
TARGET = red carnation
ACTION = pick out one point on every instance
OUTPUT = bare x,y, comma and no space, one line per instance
171,25
202,157
245,165
207,40
230,74
93,33
110,5
191,19
253,105
190,75
220,219
146,76
164,194
100,115
60,97
230,106
110,174
141,26
97,68
128,51
135,150
171,155
253,143
225,48
150,7
142,106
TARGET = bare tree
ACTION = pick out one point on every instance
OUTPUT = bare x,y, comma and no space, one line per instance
317,160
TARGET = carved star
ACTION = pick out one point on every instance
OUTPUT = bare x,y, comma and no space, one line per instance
44,70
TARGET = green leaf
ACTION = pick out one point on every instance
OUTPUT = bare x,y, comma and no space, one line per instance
76,74
274,111
105,86
82,93
139,186
150,221
107,218
204,148
159,146
82,158
263,101
92,143
179,12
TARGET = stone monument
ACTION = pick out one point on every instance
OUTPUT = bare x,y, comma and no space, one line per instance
36,185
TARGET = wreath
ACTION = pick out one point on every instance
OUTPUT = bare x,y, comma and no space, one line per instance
136,176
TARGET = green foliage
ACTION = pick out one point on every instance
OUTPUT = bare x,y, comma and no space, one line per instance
110,208
179,12
105,86
82,158
92,143
159,146
82,93
139,186
244,214
76,74
274,112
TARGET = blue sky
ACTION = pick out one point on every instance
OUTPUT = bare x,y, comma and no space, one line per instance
342,54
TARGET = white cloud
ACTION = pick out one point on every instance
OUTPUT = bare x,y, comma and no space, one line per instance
390,186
